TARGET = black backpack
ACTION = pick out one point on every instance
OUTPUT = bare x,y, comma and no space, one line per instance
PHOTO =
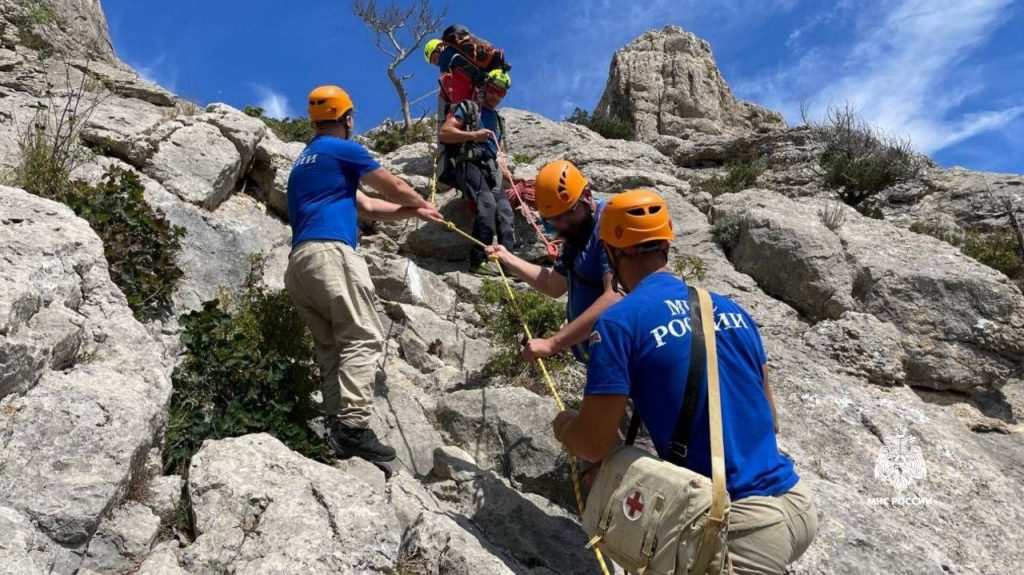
450,155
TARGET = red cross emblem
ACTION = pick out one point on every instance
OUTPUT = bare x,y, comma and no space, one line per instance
633,505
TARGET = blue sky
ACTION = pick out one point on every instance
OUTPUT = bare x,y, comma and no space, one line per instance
949,74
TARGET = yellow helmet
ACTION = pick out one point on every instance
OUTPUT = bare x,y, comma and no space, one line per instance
559,186
428,49
499,78
635,217
328,103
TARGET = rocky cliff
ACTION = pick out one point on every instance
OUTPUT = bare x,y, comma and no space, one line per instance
873,332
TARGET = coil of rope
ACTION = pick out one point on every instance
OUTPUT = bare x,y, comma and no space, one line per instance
574,472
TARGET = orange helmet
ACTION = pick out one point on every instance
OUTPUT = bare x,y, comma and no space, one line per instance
328,103
559,186
635,217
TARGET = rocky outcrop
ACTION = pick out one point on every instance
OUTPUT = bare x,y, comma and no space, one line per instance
873,332
970,333
666,82
86,386
259,508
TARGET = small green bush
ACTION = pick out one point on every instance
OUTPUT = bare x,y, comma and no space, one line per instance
690,268
521,158
542,314
726,232
608,126
390,135
998,249
740,175
139,243
248,368
857,159
288,129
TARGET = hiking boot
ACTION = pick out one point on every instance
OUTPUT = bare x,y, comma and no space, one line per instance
481,269
353,441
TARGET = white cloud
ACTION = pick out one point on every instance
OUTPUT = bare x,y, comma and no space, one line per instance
903,71
158,71
274,104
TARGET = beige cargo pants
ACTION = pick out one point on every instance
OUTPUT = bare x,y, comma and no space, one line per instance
768,533
331,287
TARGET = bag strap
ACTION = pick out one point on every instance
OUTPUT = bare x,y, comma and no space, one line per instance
717,519
678,449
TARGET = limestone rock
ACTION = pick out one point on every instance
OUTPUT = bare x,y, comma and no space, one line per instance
429,341
120,127
24,550
164,494
509,430
452,462
401,280
122,540
539,138
666,82
961,321
533,530
260,508
244,131
863,345
198,164
273,164
404,425
163,560
453,546
69,442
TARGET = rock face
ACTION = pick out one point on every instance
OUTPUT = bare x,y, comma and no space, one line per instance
876,337
969,335
666,82
261,508
86,386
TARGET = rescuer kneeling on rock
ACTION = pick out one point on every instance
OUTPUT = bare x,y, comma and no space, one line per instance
328,281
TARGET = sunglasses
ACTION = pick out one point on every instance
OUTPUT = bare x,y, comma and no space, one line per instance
499,92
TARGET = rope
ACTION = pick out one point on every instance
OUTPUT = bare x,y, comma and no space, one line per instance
543,369
549,248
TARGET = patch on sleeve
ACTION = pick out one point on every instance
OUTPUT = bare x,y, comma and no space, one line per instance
595,337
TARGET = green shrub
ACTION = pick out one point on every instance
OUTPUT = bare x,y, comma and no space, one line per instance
521,158
391,135
288,129
248,368
139,243
997,249
740,175
726,232
857,159
608,126
690,268
542,314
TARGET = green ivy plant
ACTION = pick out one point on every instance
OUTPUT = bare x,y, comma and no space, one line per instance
248,367
139,243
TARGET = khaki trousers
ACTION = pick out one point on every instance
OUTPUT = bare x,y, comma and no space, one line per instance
331,287
768,533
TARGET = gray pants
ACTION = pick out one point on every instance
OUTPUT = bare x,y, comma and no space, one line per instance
331,287
482,182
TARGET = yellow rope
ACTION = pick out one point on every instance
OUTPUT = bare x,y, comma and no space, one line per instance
543,369
433,176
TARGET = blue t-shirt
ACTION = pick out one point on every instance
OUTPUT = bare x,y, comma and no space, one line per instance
450,59
488,119
585,270
322,190
641,347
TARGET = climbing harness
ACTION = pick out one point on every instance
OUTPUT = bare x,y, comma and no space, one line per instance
544,371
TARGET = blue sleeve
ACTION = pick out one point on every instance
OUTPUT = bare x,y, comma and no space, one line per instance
608,369
756,334
357,159
460,113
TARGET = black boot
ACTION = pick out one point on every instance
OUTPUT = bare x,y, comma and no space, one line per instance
353,441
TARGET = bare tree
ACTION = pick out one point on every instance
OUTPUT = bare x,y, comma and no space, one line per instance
387,23
1006,204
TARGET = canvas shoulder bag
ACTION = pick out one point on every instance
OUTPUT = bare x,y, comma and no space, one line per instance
653,516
